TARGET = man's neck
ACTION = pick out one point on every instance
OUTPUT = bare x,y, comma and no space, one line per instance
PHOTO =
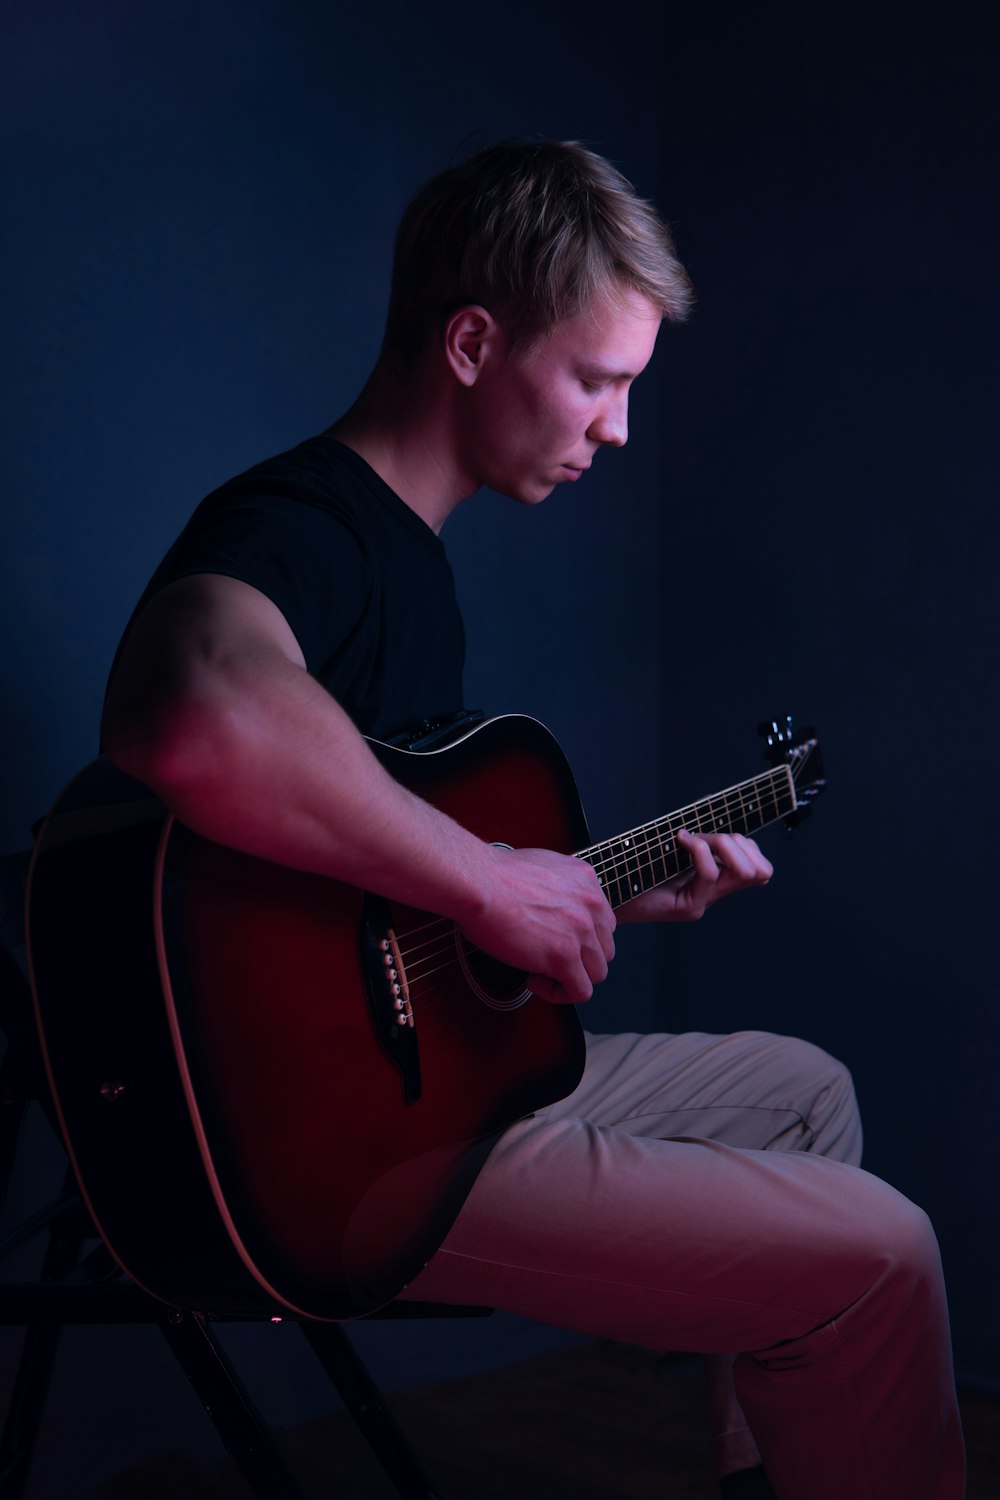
400,426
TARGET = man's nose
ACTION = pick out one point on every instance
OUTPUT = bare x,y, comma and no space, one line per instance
611,423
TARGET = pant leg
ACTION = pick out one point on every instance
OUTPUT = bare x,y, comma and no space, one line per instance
827,1279
749,1089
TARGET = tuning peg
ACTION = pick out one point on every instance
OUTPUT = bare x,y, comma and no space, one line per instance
775,732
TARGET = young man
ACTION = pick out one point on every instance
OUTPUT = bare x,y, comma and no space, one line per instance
695,1192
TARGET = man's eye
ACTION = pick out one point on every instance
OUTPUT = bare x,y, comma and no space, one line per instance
590,386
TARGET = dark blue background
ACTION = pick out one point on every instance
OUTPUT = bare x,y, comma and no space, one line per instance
200,203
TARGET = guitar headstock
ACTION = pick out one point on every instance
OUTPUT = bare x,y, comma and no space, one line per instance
799,749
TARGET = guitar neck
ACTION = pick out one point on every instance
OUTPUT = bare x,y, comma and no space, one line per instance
650,855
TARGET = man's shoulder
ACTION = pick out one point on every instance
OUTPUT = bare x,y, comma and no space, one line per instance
316,471
329,477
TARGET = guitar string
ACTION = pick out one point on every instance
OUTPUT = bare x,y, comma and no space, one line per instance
619,862
708,822
609,854
416,974
417,980
770,783
415,931
693,816
625,867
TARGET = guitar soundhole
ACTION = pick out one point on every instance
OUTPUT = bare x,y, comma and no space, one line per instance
494,983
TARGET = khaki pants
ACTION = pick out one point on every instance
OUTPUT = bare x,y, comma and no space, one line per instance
702,1193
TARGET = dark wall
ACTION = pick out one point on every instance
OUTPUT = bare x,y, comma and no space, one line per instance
830,474
202,201
204,204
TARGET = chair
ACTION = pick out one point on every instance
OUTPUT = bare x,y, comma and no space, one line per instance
80,1283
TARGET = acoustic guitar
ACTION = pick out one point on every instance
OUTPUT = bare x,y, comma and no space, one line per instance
276,1090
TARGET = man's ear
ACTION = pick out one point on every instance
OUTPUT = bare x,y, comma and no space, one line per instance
470,335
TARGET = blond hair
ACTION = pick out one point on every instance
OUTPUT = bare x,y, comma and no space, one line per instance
534,232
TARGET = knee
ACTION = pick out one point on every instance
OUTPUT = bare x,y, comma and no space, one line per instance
913,1243
820,1068
835,1118
898,1241
828,1104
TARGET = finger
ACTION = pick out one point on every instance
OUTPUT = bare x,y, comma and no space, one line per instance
732,856
738,856
554,993
702,856
595,962
597,892
763,868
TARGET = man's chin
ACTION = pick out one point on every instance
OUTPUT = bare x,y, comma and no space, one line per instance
531,494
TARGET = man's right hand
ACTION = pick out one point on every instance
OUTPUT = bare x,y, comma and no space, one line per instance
546,913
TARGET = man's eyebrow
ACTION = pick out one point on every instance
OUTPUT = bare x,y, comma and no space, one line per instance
605,372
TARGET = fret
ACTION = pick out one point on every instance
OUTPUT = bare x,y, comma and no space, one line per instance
657,860
632,865
649,856
767,804
628,863
756,817
775,798
620,869
676,856
719,815
624,866
611,876
737,814
686,817
753,818
600,857
616,872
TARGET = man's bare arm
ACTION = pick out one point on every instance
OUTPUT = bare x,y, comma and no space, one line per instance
211,706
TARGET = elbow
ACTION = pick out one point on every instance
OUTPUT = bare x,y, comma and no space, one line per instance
178,747
137,749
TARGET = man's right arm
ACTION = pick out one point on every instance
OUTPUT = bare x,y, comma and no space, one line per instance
212,707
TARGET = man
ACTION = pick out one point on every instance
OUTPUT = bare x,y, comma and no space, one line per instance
694,1192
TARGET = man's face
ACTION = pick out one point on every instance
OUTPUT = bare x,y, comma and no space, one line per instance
540,415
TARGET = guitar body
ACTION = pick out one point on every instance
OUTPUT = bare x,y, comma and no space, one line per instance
253,1120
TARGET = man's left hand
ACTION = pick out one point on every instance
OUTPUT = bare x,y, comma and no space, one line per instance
721,863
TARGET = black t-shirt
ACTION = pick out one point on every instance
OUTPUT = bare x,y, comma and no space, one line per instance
363,582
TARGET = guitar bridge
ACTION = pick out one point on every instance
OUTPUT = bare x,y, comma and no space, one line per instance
388,993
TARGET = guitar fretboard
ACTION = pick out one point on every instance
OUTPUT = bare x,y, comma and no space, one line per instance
650,855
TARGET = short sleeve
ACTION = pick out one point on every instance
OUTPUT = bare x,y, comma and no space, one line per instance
309,562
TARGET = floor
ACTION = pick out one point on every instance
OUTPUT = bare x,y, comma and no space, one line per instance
598,1421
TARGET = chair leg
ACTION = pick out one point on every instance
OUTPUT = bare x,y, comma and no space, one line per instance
14,1101
24,1411
369,1409
238,1422
34,1371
